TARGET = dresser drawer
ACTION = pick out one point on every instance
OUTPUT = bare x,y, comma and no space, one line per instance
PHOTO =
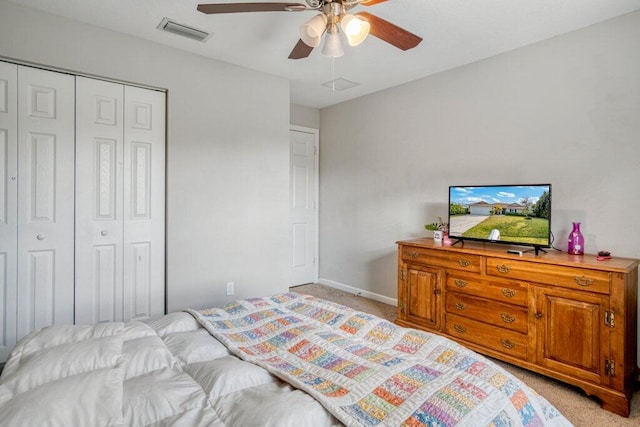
506,316
498,339
507,291
567,277
443,259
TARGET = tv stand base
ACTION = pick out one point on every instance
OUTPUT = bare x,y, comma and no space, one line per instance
536,250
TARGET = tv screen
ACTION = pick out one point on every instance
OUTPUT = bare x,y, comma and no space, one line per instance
515,214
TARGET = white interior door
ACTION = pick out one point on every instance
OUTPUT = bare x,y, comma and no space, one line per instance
8,206
144,201
46,103
99,201
303,204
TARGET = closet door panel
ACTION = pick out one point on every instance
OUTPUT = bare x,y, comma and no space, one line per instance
144,201
45,198
99,200
8,206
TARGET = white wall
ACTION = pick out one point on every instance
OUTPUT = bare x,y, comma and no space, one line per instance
565,111
227,153
301,115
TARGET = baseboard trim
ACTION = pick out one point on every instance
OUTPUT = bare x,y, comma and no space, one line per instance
358,291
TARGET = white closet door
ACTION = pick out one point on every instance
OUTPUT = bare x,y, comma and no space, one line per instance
99,200
45,198
8,206
144,201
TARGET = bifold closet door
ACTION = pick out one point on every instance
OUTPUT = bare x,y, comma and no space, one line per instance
144,203
99,200
119,202
45,180
8,206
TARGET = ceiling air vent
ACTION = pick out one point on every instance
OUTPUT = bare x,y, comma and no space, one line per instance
183,30
340,84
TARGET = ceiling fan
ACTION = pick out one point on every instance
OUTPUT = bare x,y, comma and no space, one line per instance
334,15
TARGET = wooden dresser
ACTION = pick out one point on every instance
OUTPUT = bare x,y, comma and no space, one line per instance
569,317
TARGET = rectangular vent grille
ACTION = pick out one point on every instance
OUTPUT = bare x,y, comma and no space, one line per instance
340,84
183,30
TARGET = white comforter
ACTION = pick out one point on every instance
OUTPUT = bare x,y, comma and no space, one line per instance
167,372
171,371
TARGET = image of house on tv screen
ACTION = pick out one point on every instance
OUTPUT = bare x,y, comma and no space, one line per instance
519,214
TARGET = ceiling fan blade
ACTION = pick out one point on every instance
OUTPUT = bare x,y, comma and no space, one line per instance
250,7
372,2
392,34
300,50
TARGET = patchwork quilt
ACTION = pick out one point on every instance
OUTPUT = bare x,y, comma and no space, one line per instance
369,372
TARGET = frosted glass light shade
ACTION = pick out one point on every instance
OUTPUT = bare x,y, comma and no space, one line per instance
332,45
355,29
312,30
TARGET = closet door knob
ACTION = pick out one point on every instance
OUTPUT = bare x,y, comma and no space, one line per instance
41,237
104,232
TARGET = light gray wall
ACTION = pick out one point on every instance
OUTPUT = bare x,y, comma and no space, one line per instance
565,111
227,153
301,115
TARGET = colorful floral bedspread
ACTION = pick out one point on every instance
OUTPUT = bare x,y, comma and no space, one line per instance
370,372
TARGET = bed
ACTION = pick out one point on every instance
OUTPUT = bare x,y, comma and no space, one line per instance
285,360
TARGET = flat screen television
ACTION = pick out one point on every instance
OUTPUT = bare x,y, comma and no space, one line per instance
510,214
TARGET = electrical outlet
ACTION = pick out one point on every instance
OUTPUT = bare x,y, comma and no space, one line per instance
230,286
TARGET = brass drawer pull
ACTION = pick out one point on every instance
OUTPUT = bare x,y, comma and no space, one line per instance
461,283
502,268
464,263
509,293
413,255
507,344
507,318
583,281
460,306
459,328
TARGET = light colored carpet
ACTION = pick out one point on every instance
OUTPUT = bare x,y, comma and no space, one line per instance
580,409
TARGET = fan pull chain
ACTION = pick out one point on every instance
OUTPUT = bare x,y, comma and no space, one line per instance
333,74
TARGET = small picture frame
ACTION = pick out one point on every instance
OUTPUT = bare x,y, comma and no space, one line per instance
438,235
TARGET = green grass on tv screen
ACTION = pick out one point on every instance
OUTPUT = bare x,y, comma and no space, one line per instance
534,231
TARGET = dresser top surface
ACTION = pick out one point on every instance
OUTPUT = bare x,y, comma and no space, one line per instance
552,256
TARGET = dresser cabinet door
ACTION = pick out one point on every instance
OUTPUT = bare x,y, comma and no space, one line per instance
423,294
571,336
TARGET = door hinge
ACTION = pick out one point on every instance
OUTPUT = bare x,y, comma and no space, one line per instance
609,318
610,367
315,150
401,307
402,275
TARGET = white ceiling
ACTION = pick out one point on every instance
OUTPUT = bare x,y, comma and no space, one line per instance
455,32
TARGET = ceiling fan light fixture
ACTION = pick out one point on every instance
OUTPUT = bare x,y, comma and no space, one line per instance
355,29
332,44
312,30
